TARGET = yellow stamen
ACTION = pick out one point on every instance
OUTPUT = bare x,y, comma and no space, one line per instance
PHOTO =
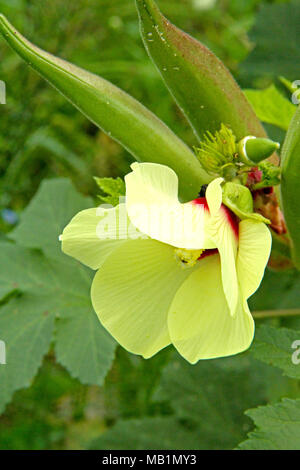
187,258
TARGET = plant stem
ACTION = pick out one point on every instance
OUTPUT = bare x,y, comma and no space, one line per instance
276,313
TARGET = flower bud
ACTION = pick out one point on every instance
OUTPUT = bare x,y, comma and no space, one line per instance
253,150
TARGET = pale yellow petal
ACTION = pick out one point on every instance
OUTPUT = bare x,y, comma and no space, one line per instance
223,230
253,253
151,183
94,233
214,195
132,293
153,207
200,324
225,236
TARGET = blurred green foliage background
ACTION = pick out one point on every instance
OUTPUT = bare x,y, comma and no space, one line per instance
43,136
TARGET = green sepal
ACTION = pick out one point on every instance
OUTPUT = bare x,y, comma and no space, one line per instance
239,200
271,175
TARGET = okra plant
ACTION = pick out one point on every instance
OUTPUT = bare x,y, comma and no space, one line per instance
183,243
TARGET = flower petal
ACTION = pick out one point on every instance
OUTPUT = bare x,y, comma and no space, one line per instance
153,207
254,250
151,183
214,196
94,233
132,293
223,230
199,322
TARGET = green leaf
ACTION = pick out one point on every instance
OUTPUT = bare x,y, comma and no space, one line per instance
290,188
50,287
274,346
213,396
148,434
271,106
51,209
113,189
82,345
7,286
279,290
43,142
276,38
56,288
26,328
277,427
208,399
200,83
114,111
